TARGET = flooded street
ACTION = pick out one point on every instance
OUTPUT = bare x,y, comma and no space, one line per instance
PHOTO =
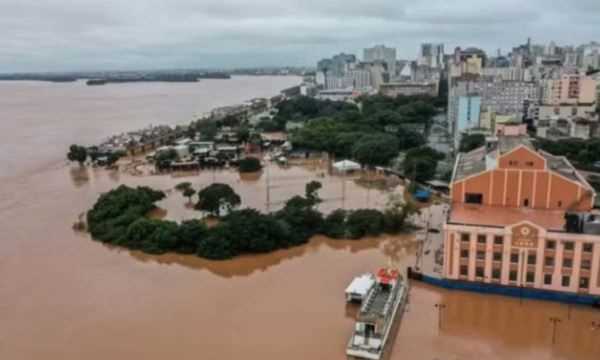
64,296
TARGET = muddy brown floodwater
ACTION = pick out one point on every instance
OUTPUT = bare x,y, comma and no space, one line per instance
64,296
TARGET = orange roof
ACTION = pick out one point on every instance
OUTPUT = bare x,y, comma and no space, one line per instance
479,215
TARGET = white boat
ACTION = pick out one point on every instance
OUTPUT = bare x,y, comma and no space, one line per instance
359,288
379,312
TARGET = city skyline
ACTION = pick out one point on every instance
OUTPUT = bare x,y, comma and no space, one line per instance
59,35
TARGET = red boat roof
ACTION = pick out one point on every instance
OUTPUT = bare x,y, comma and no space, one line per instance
386,276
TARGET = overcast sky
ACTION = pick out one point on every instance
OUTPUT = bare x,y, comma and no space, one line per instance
56,35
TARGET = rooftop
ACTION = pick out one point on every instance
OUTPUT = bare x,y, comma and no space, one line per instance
470,163
560,165
485,158
482,215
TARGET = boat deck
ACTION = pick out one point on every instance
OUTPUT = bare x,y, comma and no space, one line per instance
376,302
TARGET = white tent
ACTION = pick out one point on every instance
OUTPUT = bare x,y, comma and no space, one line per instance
346,165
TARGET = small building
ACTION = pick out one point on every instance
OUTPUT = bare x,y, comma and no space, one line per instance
275,138
337,94
228,151
439,186
184,141
185,165
409,89
209,145
182,150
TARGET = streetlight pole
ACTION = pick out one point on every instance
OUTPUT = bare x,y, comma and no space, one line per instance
595,328
440,307
554,321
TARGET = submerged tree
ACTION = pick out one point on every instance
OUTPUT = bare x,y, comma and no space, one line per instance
189,193
376,150
163,159
217,197
249,164
77,153
396,213
183,186
312,194
471,142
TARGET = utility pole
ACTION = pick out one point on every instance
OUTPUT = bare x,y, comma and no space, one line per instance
268,183
344,189
554,321
440,307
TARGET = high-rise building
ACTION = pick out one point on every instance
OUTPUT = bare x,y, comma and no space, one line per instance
331,72
551,49
570,89
571,58
337,65
496,96
467,61
381,53
359,78
431,55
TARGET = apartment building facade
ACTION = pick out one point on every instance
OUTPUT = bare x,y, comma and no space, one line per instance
500,97
570,89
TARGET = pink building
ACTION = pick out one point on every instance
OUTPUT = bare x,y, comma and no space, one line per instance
511,129
522,218
570,89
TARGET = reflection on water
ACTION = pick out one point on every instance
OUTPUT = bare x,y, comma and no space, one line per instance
250,177
283,183
79,175
248,264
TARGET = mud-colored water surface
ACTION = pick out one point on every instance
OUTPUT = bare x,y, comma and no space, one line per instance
64,296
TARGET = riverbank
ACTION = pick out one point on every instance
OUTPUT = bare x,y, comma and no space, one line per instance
45,118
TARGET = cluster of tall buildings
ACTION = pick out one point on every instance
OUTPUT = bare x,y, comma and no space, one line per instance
553,89
522,220
380,70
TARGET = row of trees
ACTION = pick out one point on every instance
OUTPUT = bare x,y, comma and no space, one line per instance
119,218
372,135
469,142
80,154
420,163
584,153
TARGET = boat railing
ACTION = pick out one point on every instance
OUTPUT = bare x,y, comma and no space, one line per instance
370,299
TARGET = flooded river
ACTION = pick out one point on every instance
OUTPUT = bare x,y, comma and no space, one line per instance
64,296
